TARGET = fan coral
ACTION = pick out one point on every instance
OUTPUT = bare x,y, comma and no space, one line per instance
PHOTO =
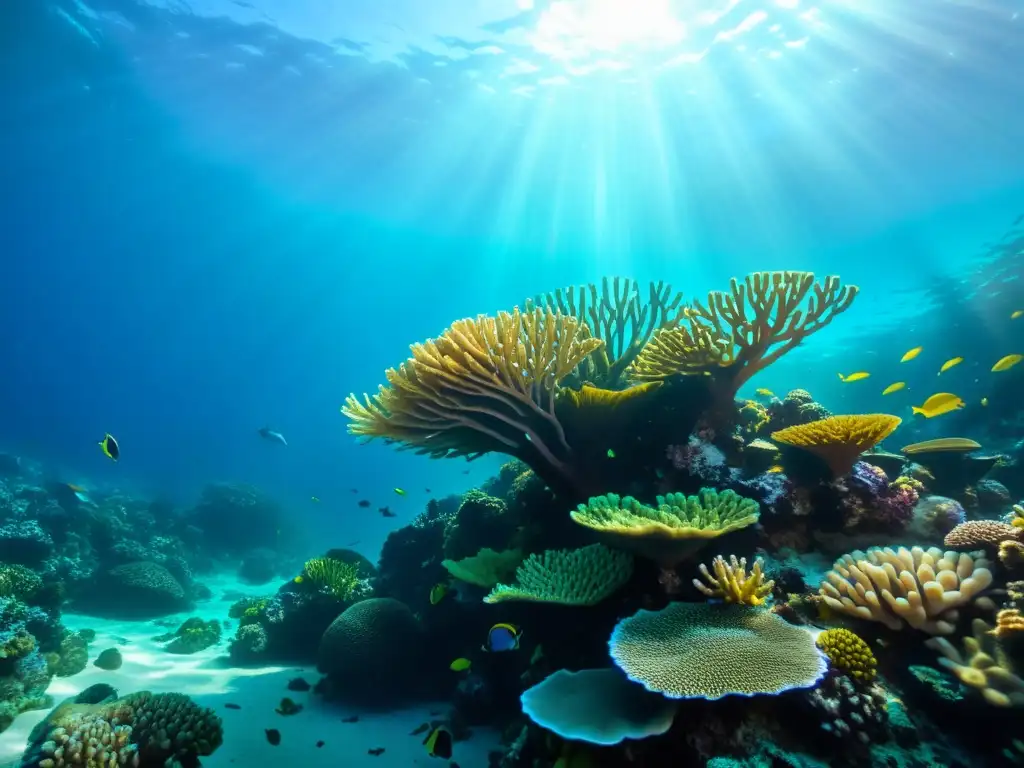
568,577
732,583
975,534
336,577
598,706
978,666
485,385
486,568
849,654
616,314
139,729
897,587
839,440
690,650
673,530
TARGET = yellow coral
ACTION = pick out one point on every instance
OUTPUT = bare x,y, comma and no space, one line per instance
905,481
681,350
1011,554
593,397
1009,623
922,588
849,654
839,440
981,666
484,385
1017,519
673,530
337,577
732,583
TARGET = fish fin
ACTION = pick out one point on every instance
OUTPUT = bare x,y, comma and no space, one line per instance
917,410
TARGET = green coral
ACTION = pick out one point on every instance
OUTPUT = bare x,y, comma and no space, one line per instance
248,610
18,645
334,576
192,636
672,530
486,568
568,577
19,582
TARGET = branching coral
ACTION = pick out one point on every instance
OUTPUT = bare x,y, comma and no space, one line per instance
977,534
673,530
680,351
691,650
583,576
980,666
849,654
485,385
486,568
732,583
839,440
337,577
615,313
899,587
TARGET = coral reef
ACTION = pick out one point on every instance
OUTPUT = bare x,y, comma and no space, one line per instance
849,654
192,636
732,583
568,577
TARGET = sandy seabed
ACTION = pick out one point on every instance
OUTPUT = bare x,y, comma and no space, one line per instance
207,678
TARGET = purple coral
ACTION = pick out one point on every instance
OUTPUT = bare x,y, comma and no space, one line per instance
870,502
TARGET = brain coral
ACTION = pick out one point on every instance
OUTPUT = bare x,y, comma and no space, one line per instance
143,729
143,589
599,706
371,650
693,650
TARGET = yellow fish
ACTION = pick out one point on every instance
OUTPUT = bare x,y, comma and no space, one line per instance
950,363
984,402
894,387
858,376
777,469
460,665
110,447
1017,313
765,392
911,354
298,579
437,593
1007,363
400,492
938,404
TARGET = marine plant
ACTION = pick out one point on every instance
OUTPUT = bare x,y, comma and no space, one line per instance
334,576
671,531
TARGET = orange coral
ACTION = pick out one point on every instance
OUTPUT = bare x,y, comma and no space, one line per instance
484,385
839,440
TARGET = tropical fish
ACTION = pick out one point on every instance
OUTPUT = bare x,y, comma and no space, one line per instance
288,707
79,491
984,402
364,503
421,728
950,363
777,469
400,492
110,447
376,751
1006,363
938,404
460,665
894,387
439,743
386,512
275,437
1017,313
229,705
858,376
910,354
764,392
298,579
503,637
611,454
314,499
320,743
437,593
273,736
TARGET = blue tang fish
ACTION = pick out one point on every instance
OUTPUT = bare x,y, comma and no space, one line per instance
503,637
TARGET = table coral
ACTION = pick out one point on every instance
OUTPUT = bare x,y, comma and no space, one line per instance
670,532
693,650
583,576
906,587
839,440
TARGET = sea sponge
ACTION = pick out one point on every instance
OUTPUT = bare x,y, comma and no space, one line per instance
334,576
732,583
616,313
373,650
849,654
839,440
673,530
980,534
583,576
696,650
598,706
142,729
918,587
485,385
979,666
486,568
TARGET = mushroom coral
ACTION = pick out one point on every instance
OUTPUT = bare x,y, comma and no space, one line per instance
839,440
694,650
485,385
668,533
922,588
